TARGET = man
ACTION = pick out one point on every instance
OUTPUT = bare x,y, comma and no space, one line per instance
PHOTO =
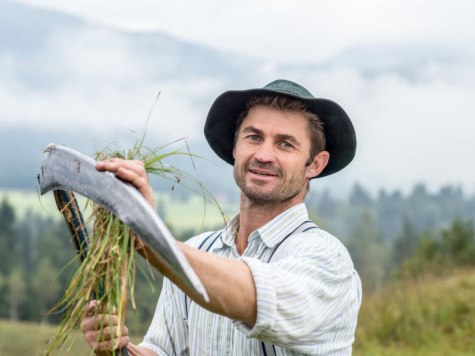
278,285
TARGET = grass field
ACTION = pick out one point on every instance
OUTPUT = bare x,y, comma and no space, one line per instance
31,339
430,316
427,316
192,215
18,339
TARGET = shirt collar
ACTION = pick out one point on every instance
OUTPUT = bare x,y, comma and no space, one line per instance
283,225
274,231
229,232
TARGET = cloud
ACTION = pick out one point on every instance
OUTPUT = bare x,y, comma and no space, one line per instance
409,95
287,30
90,78
412,133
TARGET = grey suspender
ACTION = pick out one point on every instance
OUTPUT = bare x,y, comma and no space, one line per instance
269,349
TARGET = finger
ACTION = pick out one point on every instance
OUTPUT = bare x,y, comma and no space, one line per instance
139,181
109,164
102,340
110,345
113,164
131,171
111,333
97,343
98,321
92,307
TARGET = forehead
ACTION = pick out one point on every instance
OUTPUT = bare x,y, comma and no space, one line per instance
274,121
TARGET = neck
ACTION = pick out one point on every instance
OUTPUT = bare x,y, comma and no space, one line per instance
254,215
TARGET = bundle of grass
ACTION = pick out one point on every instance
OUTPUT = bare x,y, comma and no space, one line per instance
107,273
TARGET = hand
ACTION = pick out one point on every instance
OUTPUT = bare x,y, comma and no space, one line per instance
102,342
131,171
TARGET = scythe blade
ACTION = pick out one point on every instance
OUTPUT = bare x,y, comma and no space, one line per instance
65,169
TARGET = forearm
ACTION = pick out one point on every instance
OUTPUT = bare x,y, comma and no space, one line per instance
229,284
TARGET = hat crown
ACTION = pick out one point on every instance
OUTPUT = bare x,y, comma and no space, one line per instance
288,87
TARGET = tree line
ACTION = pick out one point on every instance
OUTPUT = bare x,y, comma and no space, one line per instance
394,235
389,236
37,261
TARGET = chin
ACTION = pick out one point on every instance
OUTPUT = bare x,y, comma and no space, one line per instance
254,195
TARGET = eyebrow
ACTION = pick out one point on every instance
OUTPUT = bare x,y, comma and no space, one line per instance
280,137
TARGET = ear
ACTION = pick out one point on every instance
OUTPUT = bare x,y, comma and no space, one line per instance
234,151
318,164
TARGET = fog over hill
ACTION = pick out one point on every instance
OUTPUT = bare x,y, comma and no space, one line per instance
411,103
21,151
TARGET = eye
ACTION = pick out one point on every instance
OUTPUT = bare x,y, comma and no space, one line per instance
286,145
254,138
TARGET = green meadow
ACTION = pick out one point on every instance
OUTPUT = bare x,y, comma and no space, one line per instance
21,338
200,214
421,301
31,339
428,316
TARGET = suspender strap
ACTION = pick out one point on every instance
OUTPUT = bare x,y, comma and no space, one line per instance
209,241
269,349
303,227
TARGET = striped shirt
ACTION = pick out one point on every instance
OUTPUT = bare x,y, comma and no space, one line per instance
308,296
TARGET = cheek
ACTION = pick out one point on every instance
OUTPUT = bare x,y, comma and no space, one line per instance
242,152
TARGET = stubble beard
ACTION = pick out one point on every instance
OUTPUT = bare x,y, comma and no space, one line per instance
283,192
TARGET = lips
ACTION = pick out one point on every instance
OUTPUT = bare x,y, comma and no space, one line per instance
263,170
263,173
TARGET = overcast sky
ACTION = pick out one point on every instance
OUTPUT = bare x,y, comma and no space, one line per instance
411,128
287,30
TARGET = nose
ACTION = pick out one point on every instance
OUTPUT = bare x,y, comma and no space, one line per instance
265,153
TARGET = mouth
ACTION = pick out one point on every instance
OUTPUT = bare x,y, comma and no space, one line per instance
262,173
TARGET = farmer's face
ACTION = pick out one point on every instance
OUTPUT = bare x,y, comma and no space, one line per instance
271,152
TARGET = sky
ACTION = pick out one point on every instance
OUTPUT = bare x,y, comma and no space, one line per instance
403,70
286,30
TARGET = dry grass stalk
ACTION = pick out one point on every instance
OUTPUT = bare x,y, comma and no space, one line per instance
108,272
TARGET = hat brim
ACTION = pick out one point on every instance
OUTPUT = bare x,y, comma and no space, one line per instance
339,132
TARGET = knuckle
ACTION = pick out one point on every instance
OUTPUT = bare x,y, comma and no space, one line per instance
142,182
96,347
126,340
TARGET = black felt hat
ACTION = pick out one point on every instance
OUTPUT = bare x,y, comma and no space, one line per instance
340,136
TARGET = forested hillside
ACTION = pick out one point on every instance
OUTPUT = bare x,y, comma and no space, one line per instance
395,233
389,237
415,254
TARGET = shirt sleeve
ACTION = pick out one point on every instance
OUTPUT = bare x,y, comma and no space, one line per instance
307,296
168,331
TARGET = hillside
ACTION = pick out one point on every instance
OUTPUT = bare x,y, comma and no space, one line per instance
427,316
30,339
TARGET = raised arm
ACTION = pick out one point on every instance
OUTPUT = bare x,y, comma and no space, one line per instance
228,282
